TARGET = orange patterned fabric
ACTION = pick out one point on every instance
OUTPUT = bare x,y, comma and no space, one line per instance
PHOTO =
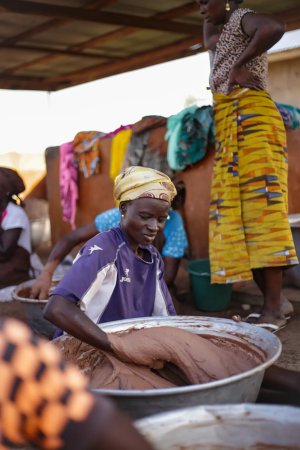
87,152
40,396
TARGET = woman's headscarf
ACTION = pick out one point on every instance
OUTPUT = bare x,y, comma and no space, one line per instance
137,182
10,182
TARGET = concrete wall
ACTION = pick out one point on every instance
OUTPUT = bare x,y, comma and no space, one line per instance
284,81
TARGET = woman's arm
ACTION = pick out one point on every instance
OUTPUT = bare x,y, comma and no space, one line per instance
104,434
211,35
8,241
69,317
62,248
171,269
264,31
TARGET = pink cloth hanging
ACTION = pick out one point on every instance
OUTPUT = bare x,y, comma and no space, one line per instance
68,177
3,215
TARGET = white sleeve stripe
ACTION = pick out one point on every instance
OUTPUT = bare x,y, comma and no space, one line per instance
96,298
160,307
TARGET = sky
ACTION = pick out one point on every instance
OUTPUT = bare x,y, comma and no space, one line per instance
32,121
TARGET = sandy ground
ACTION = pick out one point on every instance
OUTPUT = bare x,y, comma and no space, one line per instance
290,335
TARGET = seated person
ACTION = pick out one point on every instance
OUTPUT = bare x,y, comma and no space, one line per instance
46,403
15,237
172,243
119,274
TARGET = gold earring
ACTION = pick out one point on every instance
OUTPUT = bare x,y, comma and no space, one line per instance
227,6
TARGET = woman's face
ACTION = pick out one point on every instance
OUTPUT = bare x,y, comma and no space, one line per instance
143,219
213,11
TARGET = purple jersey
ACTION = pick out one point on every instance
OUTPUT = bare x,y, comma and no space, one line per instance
110,282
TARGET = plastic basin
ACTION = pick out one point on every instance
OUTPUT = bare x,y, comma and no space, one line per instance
207,296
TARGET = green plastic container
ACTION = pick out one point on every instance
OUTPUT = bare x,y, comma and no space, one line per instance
207,296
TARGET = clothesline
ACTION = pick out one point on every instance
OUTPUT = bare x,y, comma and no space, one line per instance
190,133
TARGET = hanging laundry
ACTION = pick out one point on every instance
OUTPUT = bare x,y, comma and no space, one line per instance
290,115
118,150
155,155
190,133
87,151
116,131
68,176
136,149
147,145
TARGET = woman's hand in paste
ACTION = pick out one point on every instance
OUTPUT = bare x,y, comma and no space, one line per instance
41,287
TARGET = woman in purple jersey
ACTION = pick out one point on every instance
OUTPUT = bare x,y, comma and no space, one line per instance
118,274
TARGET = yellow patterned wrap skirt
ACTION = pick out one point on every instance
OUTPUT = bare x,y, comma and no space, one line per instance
248,223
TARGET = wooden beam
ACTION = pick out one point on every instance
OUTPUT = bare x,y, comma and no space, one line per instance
293,24
288,15
291,18
54,23
119,34
178,12
33,48
174,13
96,41
66,12
178,50
21,82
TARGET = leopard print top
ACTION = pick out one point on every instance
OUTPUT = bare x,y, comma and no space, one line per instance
233,41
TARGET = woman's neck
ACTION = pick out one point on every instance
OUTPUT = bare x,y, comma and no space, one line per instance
229,13
134,247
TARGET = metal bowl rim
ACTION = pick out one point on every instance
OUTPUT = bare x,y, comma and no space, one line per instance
34,301
195,387
226,410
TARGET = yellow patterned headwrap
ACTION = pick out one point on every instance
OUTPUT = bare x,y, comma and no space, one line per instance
136,182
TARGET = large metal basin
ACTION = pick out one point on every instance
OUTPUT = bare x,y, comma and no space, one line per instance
33,310
239,388
224,427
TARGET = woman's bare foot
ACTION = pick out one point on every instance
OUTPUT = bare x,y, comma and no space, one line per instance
286,307
267,320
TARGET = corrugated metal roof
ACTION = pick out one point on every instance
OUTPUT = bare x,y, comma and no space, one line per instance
53,44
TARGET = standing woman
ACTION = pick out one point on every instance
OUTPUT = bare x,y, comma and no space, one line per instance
250,236
15,241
